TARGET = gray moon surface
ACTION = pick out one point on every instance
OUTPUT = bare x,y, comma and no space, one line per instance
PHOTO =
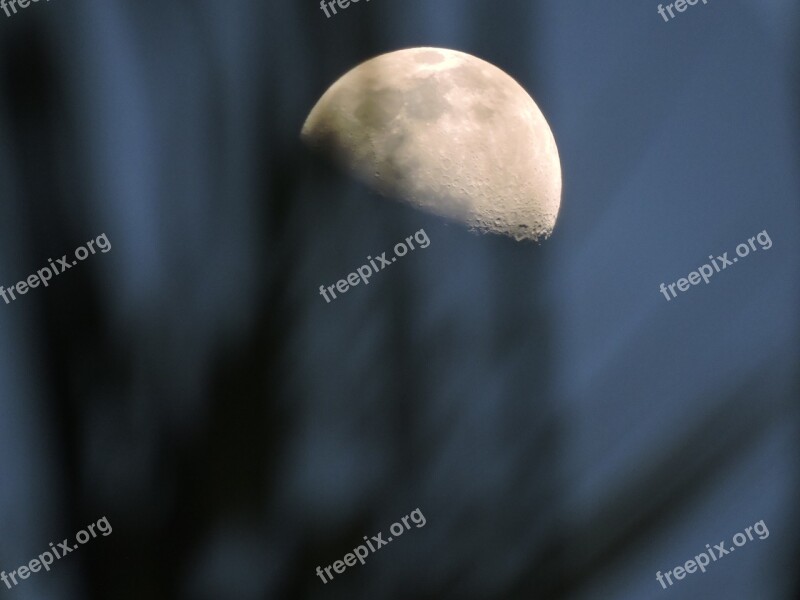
448,133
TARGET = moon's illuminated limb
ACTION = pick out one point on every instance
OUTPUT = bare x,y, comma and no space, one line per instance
448,133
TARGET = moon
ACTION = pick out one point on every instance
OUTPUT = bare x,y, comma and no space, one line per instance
448,133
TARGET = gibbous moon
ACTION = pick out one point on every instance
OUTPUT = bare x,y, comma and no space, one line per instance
448,133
